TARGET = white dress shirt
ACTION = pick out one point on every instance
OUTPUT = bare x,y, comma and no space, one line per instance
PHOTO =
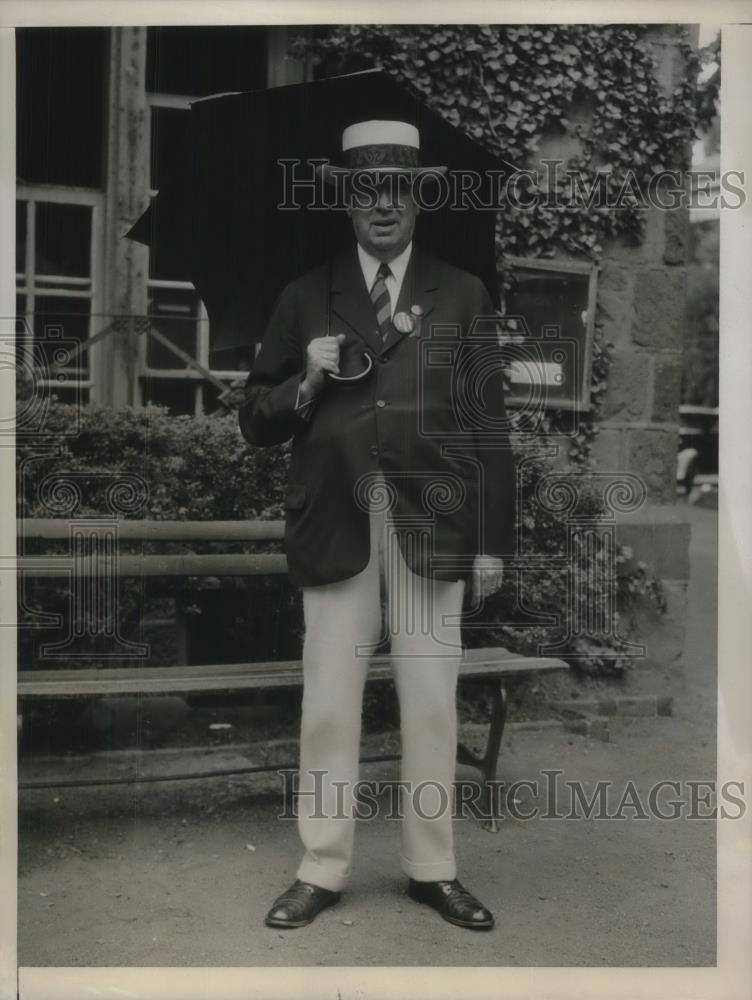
369,265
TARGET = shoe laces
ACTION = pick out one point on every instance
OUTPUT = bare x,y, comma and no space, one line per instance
454,889
456,892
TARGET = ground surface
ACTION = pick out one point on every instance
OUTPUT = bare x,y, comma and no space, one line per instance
183,873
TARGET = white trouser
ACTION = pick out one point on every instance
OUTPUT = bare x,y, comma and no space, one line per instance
342,622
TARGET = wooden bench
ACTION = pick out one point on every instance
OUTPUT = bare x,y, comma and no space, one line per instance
492,667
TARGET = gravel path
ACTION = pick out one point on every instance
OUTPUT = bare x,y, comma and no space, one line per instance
183,874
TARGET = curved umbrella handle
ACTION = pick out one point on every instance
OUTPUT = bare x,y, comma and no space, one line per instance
354,378
367,357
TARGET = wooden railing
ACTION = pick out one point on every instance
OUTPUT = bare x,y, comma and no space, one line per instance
152,564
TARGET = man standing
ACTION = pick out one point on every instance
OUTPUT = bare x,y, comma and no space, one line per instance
401,483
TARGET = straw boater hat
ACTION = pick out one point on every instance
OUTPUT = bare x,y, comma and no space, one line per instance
379,147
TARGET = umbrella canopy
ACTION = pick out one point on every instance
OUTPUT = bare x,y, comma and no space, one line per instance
220,215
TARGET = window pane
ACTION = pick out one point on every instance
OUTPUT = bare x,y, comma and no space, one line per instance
178,396
197,61
63,239
21,217
174,312
60,80
210,398
232,359
59,319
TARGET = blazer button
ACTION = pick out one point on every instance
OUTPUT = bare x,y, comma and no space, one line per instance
374,451
380,403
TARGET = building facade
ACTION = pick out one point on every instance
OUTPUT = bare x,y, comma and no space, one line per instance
101,113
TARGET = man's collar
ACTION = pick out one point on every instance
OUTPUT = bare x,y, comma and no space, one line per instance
370,265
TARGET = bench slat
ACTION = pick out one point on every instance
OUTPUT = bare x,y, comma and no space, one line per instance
167,564
163,531
245,676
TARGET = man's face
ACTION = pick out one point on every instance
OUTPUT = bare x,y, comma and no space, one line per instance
383,215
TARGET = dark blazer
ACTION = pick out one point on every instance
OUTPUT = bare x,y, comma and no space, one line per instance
429,417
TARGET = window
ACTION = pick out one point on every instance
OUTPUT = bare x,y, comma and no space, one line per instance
184,63
548,327
61,79
61,86
58,254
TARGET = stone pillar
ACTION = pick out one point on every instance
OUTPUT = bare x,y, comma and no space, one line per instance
641,302
127,197
641,311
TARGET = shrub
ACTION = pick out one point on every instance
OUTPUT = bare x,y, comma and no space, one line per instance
191,469
194,468
545,589
201,469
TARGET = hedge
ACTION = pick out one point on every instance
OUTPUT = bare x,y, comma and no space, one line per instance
201,469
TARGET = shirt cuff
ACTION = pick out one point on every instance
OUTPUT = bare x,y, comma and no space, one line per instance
303,409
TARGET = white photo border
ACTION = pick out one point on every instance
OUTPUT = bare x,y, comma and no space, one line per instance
733,976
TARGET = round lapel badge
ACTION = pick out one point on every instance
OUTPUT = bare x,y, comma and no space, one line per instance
404,323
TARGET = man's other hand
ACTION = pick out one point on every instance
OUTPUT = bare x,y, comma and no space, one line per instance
322,356
488,575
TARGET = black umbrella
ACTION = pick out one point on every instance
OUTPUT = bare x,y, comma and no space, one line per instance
220,217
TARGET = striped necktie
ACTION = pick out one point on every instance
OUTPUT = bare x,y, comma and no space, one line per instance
381,299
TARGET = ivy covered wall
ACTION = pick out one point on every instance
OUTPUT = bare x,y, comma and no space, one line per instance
618,104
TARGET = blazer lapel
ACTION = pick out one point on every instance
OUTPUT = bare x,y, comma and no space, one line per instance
418,289
351,302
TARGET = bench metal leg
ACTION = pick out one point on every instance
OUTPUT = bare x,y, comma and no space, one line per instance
491,757
487,764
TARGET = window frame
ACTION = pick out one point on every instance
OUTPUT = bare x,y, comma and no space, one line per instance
583,402
27,282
